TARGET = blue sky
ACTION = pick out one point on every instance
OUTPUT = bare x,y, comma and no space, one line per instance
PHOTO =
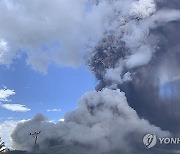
60,88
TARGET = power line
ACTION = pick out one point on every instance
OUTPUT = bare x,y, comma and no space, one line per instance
35,135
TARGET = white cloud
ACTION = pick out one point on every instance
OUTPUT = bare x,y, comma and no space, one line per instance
6,129
54,110
61,120
15,107
6,55
5,93
48,32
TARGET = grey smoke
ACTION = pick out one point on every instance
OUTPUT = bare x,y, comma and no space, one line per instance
103,121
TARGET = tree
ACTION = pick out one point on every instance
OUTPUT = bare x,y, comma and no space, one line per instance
2,145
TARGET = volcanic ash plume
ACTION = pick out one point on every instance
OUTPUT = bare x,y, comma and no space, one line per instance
126,58
129,43
103,121
139,54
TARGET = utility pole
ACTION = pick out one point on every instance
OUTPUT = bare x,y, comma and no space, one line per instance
35,135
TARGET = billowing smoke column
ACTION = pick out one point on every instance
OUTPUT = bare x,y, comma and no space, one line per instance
102,122
131,56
